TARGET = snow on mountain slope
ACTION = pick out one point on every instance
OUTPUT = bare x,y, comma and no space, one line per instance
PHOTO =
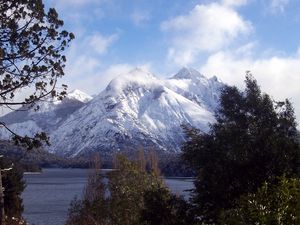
49,116
50,105
79,96
137,110
191,84
28,128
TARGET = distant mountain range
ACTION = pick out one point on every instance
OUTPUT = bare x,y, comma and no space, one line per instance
136,110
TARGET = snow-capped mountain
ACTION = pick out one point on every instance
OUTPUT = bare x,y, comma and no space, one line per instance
194,86
136,110
78,95
50,115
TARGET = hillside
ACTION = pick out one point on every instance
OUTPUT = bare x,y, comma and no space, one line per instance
136,110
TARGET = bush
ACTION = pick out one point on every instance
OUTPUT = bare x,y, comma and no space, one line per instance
277,204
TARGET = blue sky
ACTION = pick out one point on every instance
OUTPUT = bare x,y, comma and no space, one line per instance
221,37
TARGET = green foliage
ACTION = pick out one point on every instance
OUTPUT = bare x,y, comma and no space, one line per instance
129,195
127,185
31,45
74,212
173,166
93,207
277,204
163,208
253,140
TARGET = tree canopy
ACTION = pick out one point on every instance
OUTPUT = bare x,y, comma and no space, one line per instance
32,43
253,140
277,204
129,195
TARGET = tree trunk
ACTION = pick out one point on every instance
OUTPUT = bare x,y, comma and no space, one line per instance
2,216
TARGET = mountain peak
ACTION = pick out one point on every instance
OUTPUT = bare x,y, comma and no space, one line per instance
139,72
136,109
187,73
79,95
215,79
134,77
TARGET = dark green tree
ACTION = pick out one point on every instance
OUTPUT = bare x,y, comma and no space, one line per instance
76,213
163,208
253,140
32,43
13,185
277,204
129,195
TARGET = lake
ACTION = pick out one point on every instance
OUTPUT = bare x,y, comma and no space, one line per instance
48,195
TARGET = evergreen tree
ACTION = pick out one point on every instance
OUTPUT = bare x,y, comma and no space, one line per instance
13,185
277,204
163,208
253,140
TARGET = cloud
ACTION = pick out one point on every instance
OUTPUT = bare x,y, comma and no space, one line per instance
84,55
278,76
234,2
85,59
139,17
79,11
74,3
99,77
278,6
99,44
86,70
206,28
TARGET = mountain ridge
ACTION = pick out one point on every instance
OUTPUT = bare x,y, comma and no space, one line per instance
137,110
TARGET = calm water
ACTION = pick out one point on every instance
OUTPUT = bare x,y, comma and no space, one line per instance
48,195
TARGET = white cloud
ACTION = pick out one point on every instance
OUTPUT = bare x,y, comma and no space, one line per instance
278,6
139,17
99,43
84,51
90,45
206,28
278,76
84,60
74,3
116,70
99,77
234,2
82,67
182,57
78,11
